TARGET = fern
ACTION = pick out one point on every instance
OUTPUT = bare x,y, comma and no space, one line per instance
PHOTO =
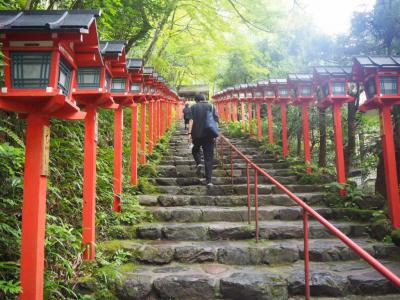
13,136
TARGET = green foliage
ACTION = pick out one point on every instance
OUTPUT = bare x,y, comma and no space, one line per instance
234,129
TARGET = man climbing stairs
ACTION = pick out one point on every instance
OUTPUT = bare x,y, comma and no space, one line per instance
201,245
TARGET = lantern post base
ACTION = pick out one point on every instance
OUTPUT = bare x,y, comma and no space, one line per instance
34,208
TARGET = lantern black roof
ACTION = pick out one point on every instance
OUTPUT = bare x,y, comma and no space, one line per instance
278,81
112,47
47,20
148,71
333,71
300,77
252,85
134,63
378,61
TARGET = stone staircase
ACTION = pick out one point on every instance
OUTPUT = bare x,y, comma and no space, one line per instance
201,245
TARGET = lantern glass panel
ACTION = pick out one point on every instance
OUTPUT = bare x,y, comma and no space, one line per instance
249,95
370,88
283,92
146,89
258,94
338,88
305,91
152,89
64,77
242,95
118,85
389,85
270,93
30,70
135,87
88,78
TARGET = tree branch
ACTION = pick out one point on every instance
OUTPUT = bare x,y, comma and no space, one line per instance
248,23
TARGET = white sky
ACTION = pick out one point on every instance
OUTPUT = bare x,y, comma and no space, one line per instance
334,16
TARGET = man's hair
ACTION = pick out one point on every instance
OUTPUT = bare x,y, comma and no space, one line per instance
199,97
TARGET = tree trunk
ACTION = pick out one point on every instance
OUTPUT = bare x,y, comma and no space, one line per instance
351,136
322,138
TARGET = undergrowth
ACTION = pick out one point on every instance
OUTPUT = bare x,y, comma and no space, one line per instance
63,263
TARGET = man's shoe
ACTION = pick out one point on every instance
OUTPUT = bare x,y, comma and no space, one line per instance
210,184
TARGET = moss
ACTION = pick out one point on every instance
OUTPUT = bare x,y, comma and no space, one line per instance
110,246
130,267
146,187
395,235
122,232
380,229
355,214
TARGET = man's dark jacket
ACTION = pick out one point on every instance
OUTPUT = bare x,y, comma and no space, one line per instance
199,114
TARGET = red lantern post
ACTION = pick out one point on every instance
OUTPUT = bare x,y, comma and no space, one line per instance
115,59
249,99
135,69
41,58
333,83
92,90
258,92
302,85
269,96
380,76
282,97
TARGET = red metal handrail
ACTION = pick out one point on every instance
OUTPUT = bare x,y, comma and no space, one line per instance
307,210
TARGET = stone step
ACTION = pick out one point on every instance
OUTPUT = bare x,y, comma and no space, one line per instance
272,230
194,180
189,161
245,252
315,198
189,171
217,281
237,189
189,214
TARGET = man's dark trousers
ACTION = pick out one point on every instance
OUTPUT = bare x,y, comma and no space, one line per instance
207,144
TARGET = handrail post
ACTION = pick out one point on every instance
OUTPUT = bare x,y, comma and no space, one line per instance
248,193
306,257
256,204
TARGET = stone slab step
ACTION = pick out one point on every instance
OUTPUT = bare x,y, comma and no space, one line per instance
189,214
219,180
216,281
270,230
189,171
315,198
245,252
189,161
237,189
